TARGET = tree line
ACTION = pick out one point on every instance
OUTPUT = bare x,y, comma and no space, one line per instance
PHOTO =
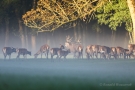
26,18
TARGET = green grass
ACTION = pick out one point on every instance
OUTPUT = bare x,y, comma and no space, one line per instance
70,74
13,82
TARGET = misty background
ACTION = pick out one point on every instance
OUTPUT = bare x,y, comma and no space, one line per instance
90,33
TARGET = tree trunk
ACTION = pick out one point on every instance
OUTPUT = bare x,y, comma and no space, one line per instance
113,38
132,13
33,42
75,32
21,33
7,32
33,37
26,37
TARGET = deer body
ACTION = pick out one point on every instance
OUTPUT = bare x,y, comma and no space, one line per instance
43,49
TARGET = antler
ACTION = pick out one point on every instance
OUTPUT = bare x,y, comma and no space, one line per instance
78,40
68,39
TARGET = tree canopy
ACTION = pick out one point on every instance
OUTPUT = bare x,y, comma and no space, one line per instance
115,13
51,14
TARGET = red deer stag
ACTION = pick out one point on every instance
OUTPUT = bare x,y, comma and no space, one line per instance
74,47
7,51
43,49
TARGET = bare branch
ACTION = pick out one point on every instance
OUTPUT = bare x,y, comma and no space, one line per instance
50,15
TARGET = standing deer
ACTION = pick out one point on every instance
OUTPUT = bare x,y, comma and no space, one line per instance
131,48
43,49
56,51
127,54
7,51
74,47
95,49
114,52
120,52
89,52
105,52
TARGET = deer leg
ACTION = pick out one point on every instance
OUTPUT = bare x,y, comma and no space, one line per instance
82,54
51,56
18,56
108,56
104,56
41,55
96,54
57,56
5,56
115,56
24,56
47,54
74,55
87,56
9,56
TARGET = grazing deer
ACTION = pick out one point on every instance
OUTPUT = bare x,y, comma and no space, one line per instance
43,49
22,51
74,47
8,51
54,51
63,53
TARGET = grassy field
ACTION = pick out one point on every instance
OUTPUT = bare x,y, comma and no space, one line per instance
69,74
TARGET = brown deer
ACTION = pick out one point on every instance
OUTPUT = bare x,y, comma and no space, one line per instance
74,47
120,52
131,48
43,49
22,51
105,52
95,49
8,51
127,54
63,53
89,52
56,51
113,52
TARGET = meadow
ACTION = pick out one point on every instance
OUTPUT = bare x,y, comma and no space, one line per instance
67,74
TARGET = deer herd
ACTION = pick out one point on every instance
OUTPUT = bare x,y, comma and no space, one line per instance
76,48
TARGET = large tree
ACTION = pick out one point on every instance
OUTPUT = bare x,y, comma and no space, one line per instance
131,6
5,16
116,13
